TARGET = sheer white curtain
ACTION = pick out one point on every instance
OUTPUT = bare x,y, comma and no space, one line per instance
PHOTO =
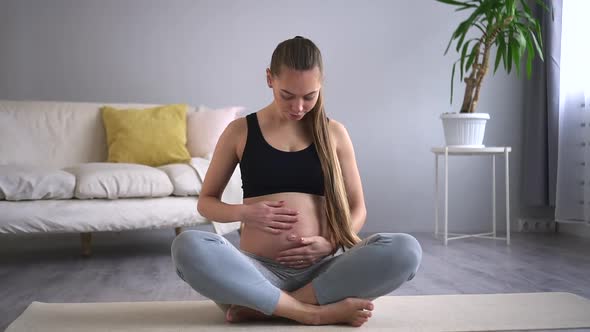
573,163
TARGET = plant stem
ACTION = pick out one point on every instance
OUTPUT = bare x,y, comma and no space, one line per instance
478,72
470,82
483,70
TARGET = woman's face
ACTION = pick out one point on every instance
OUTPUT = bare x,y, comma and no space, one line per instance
295,91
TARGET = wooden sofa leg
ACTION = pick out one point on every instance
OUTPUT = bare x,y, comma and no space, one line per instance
178,230
86,239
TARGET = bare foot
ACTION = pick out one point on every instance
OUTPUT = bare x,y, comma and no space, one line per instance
238,314
351,311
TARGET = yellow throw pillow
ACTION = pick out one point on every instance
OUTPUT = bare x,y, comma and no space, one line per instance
153,136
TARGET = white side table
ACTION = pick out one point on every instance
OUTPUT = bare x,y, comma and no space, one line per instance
465,151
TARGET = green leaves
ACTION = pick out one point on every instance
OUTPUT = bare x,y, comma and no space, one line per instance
530,58
518,48
508,24
537,46
500,53
458,3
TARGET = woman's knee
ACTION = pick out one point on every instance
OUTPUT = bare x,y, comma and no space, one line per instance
191,244
403,249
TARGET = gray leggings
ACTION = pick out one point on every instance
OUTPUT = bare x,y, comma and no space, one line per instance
212,266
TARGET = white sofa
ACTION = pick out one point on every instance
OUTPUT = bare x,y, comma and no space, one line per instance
54,178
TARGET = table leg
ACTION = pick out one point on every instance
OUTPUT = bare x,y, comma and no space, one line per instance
494,194
507,175
446,195
436,195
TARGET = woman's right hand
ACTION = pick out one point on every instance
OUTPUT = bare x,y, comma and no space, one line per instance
269,216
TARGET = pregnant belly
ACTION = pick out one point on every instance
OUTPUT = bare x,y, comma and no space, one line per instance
311,222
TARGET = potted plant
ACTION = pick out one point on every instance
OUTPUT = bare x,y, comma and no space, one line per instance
507,25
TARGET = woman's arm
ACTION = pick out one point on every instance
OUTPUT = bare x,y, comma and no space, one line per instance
221,168
350,173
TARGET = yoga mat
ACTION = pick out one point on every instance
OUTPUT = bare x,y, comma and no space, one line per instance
464,312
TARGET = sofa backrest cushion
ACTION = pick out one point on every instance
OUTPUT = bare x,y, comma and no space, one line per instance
53,134
205,127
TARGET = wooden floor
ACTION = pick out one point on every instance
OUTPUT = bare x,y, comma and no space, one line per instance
136,266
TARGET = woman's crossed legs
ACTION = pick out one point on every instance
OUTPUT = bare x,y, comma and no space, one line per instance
336,290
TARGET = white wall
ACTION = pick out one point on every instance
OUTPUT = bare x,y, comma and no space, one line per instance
386,79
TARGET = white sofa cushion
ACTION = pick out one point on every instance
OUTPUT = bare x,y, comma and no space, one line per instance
119,180
20,182
184,178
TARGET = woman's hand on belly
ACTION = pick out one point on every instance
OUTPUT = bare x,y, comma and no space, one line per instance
267,242
309,250
269,216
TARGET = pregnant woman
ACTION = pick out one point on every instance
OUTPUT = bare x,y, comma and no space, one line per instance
300,256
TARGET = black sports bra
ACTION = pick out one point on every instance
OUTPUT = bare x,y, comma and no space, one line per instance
266,170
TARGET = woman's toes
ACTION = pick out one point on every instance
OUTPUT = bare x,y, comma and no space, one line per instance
366,314
228,316
359,321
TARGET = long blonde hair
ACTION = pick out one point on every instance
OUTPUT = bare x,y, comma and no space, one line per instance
302,54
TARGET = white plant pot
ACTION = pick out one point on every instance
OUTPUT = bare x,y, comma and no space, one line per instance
464,129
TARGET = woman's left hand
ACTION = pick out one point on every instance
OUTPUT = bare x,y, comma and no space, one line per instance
311,250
